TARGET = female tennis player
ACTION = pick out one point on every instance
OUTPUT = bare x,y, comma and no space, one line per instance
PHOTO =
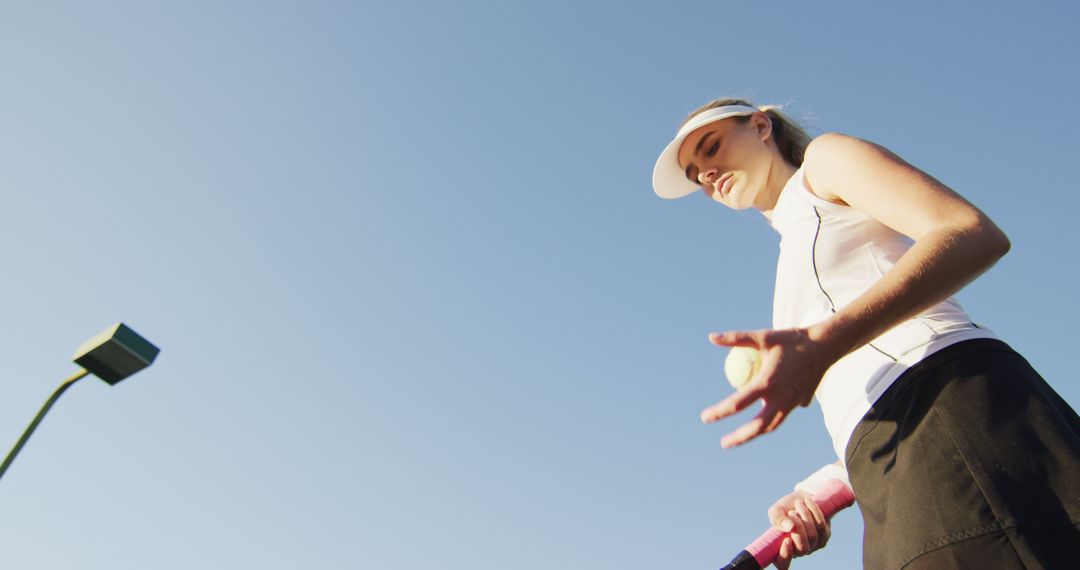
959,453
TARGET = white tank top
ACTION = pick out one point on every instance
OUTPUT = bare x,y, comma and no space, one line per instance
829,255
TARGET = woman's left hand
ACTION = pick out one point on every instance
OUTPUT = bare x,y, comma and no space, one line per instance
792,364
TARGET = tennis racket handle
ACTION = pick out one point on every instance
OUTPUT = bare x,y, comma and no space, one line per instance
832,498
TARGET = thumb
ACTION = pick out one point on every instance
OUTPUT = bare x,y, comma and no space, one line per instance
735,338
778,516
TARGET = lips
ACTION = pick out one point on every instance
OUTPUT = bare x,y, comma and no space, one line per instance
722,185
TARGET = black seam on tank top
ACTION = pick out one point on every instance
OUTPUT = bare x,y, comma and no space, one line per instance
923,320
813,261
886,354
832,305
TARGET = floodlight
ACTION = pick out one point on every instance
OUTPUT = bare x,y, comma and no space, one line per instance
114,354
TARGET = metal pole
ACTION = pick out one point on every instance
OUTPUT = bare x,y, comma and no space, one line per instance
37,420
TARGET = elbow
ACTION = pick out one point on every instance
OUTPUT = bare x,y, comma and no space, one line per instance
1005,244
995,240
981,239
1001,242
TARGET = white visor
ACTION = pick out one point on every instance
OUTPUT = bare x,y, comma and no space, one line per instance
668,178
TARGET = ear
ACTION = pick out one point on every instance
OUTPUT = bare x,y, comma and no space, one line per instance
762,125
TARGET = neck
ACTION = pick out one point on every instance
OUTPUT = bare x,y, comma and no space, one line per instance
779,174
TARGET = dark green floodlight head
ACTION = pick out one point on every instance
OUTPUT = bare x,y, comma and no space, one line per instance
115,353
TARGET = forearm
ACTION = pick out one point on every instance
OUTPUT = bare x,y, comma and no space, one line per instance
937,266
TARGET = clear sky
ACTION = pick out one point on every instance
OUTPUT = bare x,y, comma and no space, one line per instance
417,303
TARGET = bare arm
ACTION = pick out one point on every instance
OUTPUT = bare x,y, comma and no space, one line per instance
954,243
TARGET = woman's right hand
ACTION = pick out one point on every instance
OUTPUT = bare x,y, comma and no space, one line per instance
793,361
806,524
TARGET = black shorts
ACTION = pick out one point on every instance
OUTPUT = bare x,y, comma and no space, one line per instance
969,460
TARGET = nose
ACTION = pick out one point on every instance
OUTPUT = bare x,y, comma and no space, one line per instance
707,177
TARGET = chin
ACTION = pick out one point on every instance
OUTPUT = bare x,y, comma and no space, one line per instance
741,198
736,202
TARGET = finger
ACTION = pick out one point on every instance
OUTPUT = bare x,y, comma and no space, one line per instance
731,405
764,422
809,523
735,338
822,523
798,534
783,558
819,516
778,418
745,433
777,517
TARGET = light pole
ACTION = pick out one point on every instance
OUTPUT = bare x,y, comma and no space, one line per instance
114,354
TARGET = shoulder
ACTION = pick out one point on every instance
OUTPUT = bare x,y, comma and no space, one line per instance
835,151
874,180
832,142
832,158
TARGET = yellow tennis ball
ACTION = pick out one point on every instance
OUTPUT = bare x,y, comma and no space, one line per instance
741,365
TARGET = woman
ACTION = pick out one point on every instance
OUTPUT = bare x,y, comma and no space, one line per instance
959,454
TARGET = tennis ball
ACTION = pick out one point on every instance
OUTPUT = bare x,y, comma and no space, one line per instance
741,365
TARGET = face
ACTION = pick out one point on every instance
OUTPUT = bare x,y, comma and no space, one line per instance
729,160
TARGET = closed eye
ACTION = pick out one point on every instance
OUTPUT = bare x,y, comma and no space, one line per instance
712,149
691,174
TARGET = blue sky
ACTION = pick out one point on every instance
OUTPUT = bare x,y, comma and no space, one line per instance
417,304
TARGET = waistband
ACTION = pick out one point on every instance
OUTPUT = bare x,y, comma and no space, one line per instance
910,379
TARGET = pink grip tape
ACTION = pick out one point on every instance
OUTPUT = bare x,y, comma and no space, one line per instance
833,497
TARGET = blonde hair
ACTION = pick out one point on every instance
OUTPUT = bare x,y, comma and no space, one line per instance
790,138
